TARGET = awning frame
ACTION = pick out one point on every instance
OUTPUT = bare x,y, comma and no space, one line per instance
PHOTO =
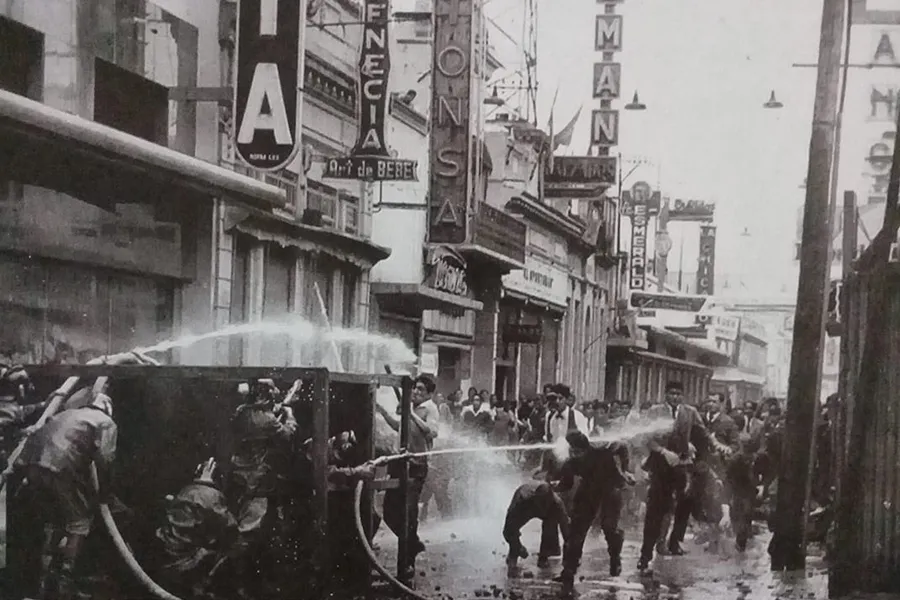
93,141
428,298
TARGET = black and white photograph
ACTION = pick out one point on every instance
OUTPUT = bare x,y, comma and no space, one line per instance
449,299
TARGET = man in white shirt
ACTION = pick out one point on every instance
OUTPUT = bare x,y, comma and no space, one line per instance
566,418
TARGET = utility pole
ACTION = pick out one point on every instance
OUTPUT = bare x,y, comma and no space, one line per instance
788,545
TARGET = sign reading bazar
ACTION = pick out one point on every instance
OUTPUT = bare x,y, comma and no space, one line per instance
706,260
579,176
450,151
266,99
638,263
371,159
446,271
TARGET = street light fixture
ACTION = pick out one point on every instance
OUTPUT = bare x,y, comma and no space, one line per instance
773,102
495,99
635,103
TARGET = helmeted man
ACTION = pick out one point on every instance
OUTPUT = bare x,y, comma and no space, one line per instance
260,432
198,531
15,388
535,500
680,479
57,461
604,470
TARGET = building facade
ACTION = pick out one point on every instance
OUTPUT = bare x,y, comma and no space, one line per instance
120,188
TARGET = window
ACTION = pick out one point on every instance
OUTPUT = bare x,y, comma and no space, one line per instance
131,103
21,59
62,313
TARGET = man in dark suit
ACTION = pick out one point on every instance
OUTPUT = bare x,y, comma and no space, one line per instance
719,423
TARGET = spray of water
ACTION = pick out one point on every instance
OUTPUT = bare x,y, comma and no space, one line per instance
386,349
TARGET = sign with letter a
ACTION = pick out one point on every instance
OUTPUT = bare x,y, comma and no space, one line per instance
266,96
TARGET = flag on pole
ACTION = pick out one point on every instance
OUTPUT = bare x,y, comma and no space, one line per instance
549,147
564,137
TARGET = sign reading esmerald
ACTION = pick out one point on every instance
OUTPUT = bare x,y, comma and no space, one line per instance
637,267
266,98
370,159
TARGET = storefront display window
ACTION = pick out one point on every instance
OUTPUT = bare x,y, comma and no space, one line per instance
61,313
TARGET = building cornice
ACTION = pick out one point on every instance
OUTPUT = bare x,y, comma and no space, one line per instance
408,115
531,208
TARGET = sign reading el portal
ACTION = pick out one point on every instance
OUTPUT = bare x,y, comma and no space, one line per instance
266,98
370,159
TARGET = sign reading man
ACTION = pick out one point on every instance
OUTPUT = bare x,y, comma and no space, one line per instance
266,97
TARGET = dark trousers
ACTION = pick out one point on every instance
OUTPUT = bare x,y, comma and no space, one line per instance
516,519
437,486
585,506
742,505
700,501
661,495
393,505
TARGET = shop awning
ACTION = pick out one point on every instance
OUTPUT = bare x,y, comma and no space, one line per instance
737,375
532,301
288,233
644,355
676,339
424,297
448,341
43,146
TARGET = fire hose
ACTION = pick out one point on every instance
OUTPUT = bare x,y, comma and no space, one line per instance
364,540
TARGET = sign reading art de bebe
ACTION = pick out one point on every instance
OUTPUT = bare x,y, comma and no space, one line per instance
370,159
266,98
539,280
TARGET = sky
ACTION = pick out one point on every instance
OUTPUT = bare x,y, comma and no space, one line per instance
704,68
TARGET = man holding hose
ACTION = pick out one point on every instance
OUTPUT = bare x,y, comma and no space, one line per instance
57,461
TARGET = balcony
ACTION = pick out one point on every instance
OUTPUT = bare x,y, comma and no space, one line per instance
497,239
339,210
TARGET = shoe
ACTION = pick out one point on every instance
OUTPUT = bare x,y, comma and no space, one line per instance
643,564
543,562
523,553
661,549
676,550
417,548
615,567
568,582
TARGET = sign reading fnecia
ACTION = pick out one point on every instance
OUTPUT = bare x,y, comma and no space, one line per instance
266,99
370,159
447,271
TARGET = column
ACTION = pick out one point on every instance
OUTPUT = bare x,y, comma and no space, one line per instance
299,301
257,267
484,353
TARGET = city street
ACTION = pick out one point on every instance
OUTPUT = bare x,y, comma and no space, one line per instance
466,559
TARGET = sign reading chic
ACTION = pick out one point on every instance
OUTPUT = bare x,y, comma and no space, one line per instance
371,158
706,260
447,272
266,99
450,150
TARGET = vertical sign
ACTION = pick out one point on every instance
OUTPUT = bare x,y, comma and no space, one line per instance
370,159
607,80
638,266
266,98
450,144
605,127
706,261
608,33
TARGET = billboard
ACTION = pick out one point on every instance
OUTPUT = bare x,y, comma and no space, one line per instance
269,55
691,210
371,159
579,176
706,261
451,146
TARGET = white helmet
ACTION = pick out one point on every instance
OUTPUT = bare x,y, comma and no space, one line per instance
104,403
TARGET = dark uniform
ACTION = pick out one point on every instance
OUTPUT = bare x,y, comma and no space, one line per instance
198,530
535,500
603,469
676,481
741,489
259,435
57,461
15,386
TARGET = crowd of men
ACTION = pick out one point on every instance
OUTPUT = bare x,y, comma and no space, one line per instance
715,467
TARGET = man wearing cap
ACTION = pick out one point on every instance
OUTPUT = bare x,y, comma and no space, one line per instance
259,434
56,461
603,469
197,533
15,388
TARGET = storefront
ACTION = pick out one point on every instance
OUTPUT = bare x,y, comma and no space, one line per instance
532,311
105,239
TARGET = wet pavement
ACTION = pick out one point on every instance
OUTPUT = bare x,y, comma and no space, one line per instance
465,558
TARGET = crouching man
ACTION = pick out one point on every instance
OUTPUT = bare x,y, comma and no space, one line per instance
198,532
535,500
603,469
